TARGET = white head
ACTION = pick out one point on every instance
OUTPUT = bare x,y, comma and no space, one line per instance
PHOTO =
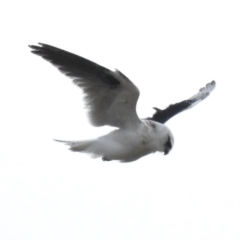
167,140
164,136
168,144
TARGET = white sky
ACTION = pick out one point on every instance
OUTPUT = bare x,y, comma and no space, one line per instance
169,49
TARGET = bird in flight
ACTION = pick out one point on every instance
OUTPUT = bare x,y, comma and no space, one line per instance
111,99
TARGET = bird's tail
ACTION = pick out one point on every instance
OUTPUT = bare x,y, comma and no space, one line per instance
78,146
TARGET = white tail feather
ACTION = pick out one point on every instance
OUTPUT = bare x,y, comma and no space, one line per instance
78,146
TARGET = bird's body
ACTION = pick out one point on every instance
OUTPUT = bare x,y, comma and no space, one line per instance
128,144
111,99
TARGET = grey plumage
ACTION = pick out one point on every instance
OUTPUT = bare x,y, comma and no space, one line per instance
111,99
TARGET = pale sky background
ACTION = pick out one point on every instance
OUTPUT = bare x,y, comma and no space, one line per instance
169,49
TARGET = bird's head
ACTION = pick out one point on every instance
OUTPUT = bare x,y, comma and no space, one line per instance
168,145
166,139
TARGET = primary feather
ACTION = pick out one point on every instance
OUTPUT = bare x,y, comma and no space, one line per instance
110,96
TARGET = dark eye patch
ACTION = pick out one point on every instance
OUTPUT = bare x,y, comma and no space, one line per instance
168,144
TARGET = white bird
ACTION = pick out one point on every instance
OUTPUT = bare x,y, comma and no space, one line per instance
111,99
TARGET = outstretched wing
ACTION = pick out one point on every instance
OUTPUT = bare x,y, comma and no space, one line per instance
163,116
110,96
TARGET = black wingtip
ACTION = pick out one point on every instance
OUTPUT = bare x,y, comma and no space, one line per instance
41,49
41,45
49,47
31,46
34,47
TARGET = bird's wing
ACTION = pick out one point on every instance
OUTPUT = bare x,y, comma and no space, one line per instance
110,96
163,116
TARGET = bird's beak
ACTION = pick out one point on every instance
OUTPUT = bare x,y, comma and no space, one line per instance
166,152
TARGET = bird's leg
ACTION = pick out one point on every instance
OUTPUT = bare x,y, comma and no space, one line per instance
106,159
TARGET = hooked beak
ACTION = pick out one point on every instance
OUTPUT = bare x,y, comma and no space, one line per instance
166,152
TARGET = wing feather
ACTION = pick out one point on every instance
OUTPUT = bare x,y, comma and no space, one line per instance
163,116
110,96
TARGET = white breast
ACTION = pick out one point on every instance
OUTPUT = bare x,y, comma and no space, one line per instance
131,144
